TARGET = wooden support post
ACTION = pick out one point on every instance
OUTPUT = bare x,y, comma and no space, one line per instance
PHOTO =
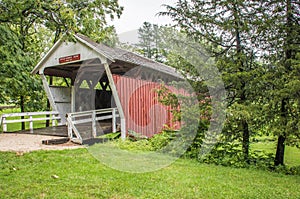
48,92
94,129
123,128
117,100
70,133
4,124
114,128
73,99
30,124
53,120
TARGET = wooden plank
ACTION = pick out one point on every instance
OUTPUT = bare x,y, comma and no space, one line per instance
48,92
104,117
30,114
56,141
76,140
73,98
70,131
114,125
53,120
82,121
4,124
87,113
70,122
30,123
29,120
117,100
94,130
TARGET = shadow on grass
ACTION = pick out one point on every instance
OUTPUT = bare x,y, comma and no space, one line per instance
130,161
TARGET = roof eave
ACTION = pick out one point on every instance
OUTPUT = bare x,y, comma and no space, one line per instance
94,48
58,43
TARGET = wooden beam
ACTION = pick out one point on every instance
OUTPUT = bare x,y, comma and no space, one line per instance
56,141
117,100
73,98
48,92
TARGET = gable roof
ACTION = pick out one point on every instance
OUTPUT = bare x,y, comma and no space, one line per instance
130,57
116,54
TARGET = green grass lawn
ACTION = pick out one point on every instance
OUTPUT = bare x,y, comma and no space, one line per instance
82,176
292,154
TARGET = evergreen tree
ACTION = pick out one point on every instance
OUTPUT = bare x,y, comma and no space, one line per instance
223,27
279,29
150,41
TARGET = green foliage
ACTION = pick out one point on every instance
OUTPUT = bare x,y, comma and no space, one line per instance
128,144
224,30
281,48
256,46
27,26
155,143
15,77
231,154
161,140
111,135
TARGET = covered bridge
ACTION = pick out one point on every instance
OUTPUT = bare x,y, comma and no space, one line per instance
117,83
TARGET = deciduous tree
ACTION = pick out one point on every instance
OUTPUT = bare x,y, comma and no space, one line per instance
32,26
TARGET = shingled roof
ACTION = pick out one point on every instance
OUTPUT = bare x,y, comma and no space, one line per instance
114,54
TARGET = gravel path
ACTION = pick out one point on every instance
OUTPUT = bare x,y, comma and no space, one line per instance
27,142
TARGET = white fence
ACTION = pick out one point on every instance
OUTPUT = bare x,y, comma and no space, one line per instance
30,117
92,117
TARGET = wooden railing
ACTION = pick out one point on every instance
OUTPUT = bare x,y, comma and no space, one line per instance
53,115
92,117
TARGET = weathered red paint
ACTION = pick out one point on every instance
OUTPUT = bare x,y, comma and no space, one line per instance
143,113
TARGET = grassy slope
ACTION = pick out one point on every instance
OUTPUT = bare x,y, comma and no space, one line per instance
81,176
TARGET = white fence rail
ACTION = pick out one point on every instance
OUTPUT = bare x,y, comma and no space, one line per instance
92,117
53,115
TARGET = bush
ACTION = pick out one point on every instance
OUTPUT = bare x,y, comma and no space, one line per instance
140,145
157,142
295,170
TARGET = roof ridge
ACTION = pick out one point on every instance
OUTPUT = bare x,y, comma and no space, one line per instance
118,53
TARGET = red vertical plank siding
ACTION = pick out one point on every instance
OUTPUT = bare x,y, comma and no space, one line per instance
143,113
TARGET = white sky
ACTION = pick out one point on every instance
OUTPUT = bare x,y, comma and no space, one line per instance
136,12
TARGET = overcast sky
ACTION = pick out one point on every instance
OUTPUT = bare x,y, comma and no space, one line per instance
136,12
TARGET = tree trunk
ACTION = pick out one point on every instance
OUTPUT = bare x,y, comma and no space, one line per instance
243,97
279,158
246,141
22,106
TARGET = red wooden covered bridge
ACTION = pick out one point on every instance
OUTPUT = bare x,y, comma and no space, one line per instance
104,84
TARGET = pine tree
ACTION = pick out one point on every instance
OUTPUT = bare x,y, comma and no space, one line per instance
280,38
223,27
